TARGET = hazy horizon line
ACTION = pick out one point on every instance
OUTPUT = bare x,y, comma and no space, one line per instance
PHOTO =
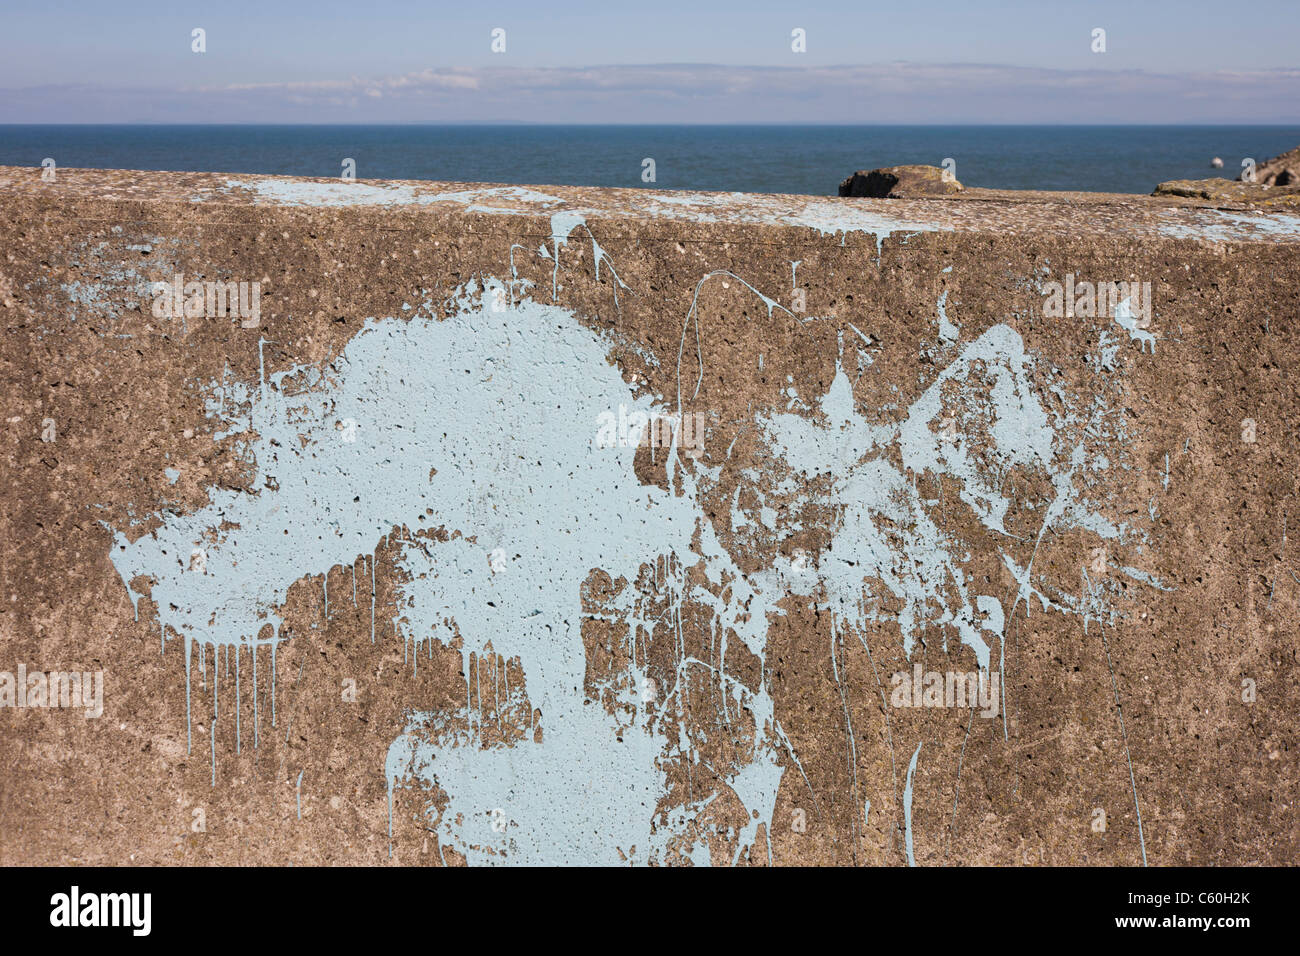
776,124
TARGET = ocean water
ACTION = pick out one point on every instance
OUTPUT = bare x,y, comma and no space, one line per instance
779,159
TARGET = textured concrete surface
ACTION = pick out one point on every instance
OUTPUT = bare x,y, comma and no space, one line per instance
390,568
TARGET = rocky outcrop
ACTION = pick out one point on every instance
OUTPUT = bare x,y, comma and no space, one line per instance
1228,191
1281,170
900,182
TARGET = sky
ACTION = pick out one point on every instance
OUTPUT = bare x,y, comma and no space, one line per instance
655,61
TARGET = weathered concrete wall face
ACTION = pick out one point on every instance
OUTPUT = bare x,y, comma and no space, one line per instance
511,525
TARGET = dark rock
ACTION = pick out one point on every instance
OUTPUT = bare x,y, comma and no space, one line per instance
900,182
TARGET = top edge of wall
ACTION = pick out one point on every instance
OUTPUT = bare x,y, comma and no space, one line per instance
1001,212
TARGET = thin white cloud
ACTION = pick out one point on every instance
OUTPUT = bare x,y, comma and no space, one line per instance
665,93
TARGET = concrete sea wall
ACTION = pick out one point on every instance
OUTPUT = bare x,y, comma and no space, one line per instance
443,523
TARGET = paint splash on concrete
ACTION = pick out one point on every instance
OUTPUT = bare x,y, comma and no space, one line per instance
496,447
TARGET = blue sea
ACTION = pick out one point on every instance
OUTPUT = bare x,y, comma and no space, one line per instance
777,159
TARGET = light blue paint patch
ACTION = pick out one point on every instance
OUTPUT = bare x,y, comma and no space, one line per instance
831,218
907,806
172,475
1107,351
536,479
1146,578
497,439
885,543
118,288
562,226
1273,224
827,217
677,204
1127,321
476,200
294,192
1220,225
108,298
